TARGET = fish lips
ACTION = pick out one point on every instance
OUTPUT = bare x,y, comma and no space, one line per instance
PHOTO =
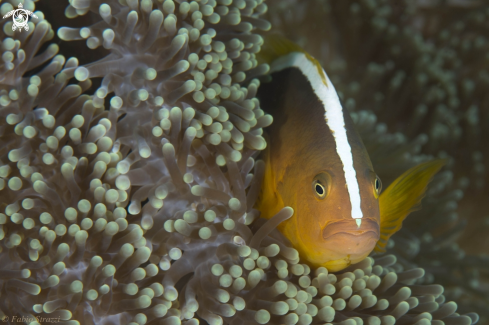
349,227
345,238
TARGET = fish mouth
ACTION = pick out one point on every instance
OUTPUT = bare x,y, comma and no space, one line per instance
349,227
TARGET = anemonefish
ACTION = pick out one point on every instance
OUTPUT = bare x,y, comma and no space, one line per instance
317,164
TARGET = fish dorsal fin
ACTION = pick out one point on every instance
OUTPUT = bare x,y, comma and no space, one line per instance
269,202
276,46
402,197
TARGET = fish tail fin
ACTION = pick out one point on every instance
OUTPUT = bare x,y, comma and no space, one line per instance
267,202
404,196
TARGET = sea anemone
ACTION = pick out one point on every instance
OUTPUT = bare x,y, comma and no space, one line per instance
131,201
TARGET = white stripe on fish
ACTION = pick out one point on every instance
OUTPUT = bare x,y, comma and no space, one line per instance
334,119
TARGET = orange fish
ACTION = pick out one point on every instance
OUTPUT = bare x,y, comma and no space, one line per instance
316,163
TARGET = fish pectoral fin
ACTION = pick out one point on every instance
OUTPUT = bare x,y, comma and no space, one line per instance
269,202
404,196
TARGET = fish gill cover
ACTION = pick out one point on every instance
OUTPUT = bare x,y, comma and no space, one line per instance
130,202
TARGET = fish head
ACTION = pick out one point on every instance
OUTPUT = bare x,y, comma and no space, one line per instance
344,239
326,233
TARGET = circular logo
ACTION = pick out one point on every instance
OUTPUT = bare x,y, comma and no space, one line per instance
20,18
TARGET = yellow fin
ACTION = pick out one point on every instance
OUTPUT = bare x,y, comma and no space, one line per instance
269,202
402,197
276,45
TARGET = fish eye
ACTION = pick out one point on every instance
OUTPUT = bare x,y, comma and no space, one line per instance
320,190
377,186
321,185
